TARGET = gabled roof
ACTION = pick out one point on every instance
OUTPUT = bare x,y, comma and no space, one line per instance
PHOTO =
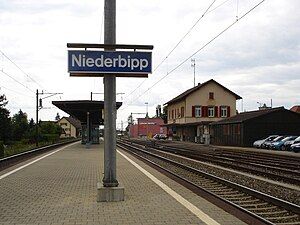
199,86
296,108
76,123
249,115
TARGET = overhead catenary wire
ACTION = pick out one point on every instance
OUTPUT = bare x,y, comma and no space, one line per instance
222,3
16,92
11,77
177,44
26,74
196,52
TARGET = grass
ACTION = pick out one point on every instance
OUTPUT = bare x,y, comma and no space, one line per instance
19,147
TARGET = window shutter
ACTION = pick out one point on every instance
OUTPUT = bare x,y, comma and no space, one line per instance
204,111
228,111
216,111
193,111
220,111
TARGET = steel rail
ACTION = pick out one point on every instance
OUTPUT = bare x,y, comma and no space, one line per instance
14,159
259,195
228,162
239,165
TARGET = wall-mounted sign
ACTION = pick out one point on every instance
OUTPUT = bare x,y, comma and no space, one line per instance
98,63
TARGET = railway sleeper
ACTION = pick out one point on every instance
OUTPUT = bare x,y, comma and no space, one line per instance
271,208
282,219
255,206
250,201
289,223
275,213
229,195
237,198
218,188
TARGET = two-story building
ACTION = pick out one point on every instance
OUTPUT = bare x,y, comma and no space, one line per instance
71,127
190,113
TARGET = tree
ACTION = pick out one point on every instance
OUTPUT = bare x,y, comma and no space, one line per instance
50,131
164,114
57,117
5,121
20,126
130,120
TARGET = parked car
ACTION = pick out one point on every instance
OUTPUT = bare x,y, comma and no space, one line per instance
160,136
267,144
295,147
287,144
278,145
258,143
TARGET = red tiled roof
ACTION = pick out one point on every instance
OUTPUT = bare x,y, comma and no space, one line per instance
189,91
296,108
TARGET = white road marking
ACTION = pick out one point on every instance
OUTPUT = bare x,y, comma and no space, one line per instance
34,161
196,211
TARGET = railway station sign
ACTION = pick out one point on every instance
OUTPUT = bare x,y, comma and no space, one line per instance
98,63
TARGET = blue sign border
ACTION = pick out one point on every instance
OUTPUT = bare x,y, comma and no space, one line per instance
109,62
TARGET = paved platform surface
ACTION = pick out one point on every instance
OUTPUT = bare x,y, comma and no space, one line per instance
61,189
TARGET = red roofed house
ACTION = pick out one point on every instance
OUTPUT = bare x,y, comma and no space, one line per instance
296,108
147,127
191,112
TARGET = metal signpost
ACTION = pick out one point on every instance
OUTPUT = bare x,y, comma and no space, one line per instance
109,64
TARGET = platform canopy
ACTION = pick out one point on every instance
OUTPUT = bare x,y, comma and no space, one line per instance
79,109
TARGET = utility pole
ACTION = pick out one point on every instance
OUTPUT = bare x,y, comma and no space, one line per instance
109,190
147,116
110,176
37,120
39,107
194,65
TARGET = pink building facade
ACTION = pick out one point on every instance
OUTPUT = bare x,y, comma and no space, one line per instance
147,127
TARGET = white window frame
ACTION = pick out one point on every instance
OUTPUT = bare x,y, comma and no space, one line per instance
224,112
198,111
209,110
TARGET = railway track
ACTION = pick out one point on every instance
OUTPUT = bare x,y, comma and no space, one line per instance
260,207
15,159
278,171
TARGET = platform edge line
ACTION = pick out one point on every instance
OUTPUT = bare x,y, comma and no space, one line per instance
188,205
34,161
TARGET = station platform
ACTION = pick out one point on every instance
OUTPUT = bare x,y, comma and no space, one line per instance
60,187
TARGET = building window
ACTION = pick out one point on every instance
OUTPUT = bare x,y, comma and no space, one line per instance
63,124
223,111
182,111
211,111
198,112
211,95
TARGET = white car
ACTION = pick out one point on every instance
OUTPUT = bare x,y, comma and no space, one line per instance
258,143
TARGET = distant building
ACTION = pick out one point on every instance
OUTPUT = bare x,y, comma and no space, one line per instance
264,106
296,108
245,128
190,113
71,127
147,127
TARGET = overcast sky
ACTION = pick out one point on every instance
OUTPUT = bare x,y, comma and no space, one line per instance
257,58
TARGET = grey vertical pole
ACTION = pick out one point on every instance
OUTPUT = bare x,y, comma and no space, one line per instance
109,179
37,119
88,128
